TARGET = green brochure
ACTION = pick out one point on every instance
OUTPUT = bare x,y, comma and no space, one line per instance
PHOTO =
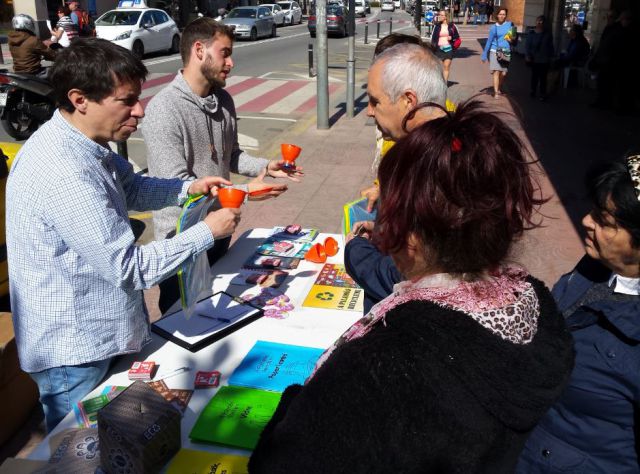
235,417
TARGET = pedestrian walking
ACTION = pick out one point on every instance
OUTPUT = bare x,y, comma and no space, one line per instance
538,56
481,12
445,40
65,30
498,50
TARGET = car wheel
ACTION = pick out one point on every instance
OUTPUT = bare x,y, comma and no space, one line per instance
254,34
175,44
138,49
273,31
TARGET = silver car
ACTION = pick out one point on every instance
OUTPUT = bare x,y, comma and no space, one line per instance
292,13
251,22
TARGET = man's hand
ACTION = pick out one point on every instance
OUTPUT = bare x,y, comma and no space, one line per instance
257,184
372,194
208,185
222,222
277,169
362,229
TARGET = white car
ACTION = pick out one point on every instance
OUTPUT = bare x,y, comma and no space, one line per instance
360,9
292,13
396,3
388,6
140,30
276,11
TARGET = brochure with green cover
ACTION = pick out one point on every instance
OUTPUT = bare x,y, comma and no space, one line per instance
235,417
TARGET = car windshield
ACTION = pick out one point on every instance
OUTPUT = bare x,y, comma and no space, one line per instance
115,18
242,13
285,5
334,9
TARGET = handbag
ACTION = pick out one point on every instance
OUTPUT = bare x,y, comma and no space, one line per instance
503,56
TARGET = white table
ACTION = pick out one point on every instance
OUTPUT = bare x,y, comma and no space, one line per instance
305,326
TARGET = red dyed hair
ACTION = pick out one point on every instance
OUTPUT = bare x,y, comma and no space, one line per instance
466,205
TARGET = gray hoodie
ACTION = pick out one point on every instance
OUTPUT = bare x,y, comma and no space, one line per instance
188,136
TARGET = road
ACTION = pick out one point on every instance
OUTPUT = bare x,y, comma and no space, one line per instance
270,81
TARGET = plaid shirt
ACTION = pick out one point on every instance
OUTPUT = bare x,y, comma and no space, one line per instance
76,276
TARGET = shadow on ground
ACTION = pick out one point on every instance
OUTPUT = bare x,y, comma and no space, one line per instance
568,135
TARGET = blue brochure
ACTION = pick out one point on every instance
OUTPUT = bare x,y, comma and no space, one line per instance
273,366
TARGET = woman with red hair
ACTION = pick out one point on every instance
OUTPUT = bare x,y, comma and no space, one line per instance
452,371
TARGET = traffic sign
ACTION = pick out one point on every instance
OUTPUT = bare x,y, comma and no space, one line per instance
580,17
428,16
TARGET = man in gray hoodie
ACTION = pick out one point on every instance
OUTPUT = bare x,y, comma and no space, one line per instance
190,130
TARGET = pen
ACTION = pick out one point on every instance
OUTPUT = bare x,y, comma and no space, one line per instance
172,373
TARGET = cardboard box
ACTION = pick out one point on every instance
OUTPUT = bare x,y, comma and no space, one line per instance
139,431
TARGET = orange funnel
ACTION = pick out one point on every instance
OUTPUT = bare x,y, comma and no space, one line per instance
316,254
290,152
231,197
331,246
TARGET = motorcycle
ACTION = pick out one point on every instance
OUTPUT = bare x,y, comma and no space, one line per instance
26,102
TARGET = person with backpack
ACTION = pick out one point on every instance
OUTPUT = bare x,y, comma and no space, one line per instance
81,19
445,39
502,37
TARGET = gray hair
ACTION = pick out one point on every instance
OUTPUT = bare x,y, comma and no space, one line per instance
412,67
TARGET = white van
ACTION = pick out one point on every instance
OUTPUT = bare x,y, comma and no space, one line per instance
360,9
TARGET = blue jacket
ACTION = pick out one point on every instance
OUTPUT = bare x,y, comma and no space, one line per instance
496,39
591,428
374,272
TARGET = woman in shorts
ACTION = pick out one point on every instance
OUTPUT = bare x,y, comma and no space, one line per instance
445,39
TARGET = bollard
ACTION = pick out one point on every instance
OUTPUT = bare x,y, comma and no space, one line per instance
390,26
310,51
123,150
366,33
1,56
378,29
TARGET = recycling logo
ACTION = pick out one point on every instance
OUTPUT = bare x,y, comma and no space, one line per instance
325,296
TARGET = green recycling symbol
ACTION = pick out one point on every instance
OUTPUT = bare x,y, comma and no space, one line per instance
325,296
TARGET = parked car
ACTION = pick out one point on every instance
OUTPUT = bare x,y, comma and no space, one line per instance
336,21
251,22
360,9
140,30
396,3
292,12
387,6
276,11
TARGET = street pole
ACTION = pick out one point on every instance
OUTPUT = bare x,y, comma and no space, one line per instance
322,120
351,59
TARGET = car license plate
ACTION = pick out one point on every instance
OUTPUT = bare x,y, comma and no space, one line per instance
3,99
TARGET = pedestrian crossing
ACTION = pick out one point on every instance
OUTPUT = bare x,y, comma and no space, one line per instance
256,94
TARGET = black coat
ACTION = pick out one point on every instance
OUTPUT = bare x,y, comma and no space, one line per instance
430,391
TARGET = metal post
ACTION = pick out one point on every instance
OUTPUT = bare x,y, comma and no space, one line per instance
351,59
310,51
378,29
1,55
390,26
366,33
417,15
123,151
322,116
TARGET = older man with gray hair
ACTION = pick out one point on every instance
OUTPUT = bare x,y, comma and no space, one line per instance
400,78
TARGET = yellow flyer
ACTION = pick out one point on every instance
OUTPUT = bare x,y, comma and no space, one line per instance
190,461
334,289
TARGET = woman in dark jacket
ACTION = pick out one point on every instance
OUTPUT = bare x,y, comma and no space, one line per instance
538,55
445,40
594,426
451,371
